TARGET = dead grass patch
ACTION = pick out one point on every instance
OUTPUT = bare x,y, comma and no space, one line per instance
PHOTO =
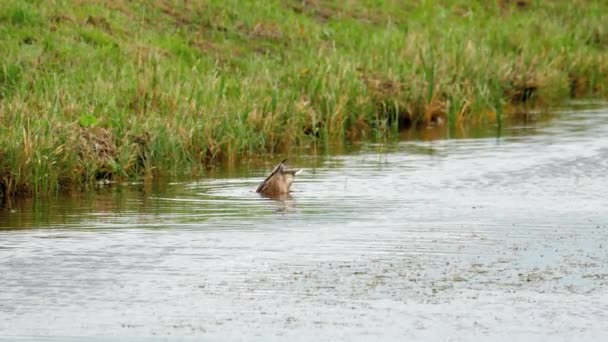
97,144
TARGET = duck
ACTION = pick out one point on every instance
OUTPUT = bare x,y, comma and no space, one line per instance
278,181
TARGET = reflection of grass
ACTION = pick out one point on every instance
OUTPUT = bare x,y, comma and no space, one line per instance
102,89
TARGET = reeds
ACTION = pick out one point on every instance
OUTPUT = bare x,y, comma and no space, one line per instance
116,90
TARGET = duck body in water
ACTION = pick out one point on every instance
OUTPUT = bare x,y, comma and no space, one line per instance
279,181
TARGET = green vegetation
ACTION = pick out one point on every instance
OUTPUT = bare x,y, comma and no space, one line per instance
120,89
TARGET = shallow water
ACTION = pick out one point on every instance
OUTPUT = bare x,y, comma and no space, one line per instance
492,235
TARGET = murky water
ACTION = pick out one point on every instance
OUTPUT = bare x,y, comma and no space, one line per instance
485,238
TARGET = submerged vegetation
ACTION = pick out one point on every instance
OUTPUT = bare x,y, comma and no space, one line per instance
118,89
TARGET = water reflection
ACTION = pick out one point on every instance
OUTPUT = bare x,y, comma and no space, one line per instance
421,237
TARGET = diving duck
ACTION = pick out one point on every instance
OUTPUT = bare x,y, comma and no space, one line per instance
279,181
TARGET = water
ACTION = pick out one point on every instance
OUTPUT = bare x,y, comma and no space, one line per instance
481,237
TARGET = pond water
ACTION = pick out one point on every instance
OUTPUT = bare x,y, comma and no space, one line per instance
495,234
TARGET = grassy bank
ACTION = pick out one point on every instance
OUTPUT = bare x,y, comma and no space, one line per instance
121,89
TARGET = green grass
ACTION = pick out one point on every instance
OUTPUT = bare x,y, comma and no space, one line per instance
125,89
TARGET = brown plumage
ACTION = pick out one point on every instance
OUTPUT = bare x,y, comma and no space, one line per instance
279,181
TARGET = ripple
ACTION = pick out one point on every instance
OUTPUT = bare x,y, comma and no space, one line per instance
487,233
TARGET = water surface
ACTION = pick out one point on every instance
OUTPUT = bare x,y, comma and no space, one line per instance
495,234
